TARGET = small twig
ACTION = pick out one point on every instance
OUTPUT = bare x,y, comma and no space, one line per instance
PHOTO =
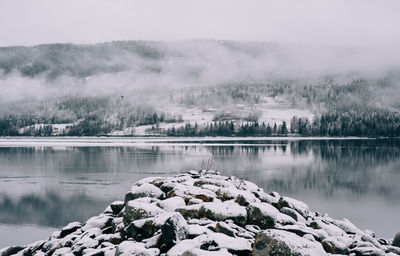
206,165
244,177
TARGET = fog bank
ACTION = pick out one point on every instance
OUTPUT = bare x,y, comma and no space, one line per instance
123,68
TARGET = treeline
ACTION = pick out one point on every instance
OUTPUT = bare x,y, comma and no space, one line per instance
229,129
8,126
85,116
349,123
94,125
91,125
341,124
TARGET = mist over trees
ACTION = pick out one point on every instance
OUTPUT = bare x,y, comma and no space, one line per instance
100,88
55,60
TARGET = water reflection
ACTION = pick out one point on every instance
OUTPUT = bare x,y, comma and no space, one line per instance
50,209
51,186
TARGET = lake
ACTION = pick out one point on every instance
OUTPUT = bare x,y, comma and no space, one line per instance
46,183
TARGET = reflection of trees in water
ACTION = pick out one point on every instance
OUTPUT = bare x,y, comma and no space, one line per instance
358,167
349,152
50,210
233,160
245,151
248,151
87,159
351,166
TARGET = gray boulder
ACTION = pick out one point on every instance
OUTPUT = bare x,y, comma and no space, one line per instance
393,249
11,250
279,242
335,246
144,190
199,252
297,205
136,210
367,251
396,240
173,230
117,206
292,213
222,227
70,228
227,210
262,214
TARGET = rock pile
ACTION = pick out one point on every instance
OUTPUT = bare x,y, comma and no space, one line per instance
202,213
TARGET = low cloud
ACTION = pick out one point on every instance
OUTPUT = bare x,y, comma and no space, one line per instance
124,68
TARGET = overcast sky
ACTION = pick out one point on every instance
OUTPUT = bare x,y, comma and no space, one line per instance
336,22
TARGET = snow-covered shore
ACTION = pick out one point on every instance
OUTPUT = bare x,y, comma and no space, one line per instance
203,213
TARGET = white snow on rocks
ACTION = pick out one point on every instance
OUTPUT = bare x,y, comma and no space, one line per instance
171,204
146,190
128,248
202,213
223,211
285,243
96,222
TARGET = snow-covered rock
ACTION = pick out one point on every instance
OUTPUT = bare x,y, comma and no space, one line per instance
128,248
293,213
171,204
200,252
136,210
299,206
279,242
262,214
396,240
335,245
202,213
223,211
11,250
144,190
70,228
174,230
368,250
97,222
117,206
347,226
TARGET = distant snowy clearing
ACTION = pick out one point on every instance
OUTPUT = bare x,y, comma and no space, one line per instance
269,110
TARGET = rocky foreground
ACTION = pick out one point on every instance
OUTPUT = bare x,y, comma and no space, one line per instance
202,213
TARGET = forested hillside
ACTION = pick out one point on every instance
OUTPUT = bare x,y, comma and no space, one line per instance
83,90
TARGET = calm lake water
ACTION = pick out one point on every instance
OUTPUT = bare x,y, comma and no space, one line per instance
47,183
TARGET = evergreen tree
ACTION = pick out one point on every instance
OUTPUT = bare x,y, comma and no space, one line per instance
284,130
269,130
294,125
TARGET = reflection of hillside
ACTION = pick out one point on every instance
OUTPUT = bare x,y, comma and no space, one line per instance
234,150
124,158
50,210
357,167
85,159
318,166
322,168
351,153
375,180
246,151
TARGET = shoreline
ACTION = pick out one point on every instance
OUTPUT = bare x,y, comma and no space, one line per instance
156,141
